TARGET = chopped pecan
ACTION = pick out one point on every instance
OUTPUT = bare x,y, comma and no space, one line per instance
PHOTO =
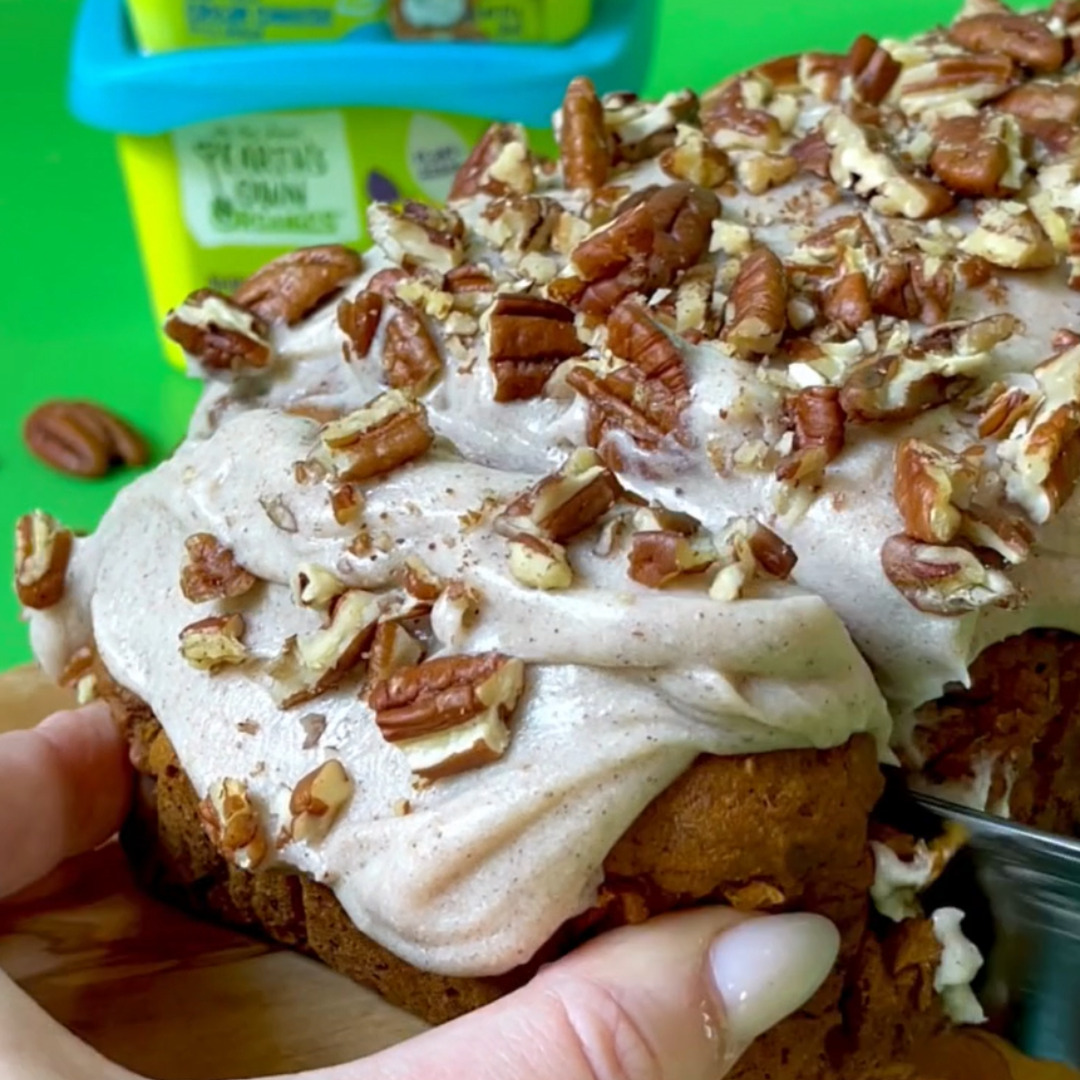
231,821
317,801
316,587
1009,235
967,159
846,301
564,504
214,643
211,571
759,172
1036,104
928,482
997,531
643,129
944,580
359,320
658,557
293,285
733,115
392,649
539,563
420,582
225,338
693,158
873,70
500,164
418,235
386,283
1024,38
411,358
1005,412
519,225
628,402
1046,461
914,287
317,662
646,247
746,550
636,337
81,438
898,387
528,337
951,82
42,553
583,138
384,434
813,154
819,433
823,73
758,305
450,714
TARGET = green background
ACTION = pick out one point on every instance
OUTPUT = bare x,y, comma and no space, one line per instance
74,315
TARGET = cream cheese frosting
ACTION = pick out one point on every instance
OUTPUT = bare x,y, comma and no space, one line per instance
638,681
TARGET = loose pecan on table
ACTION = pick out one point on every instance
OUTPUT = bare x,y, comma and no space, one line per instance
81,438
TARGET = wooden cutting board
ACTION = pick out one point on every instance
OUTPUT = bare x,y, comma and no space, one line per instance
176,999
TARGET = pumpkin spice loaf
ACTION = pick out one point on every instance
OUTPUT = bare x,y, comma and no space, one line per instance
575,554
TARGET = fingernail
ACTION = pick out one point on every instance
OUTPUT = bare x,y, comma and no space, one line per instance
764,969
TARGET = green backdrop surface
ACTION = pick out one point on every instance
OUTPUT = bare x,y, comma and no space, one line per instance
74,318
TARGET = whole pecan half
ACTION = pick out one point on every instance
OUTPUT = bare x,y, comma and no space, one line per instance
81,438
225,338
293,285
968,159
450,714
846,301
636,337
528,337
584,142
385,433
758,304
819,433
211,571
1022,37
42,553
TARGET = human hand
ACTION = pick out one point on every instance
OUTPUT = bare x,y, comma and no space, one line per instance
676,999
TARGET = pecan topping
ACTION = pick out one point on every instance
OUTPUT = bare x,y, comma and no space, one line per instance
659,556
643,129
1009,235
758,305
1023,38
42,553
1046,463
733,115
1005,412
664,232
225,338
315,663
359,320
873,70
1046,111
386,433
317,801
813,154
564,504
968,159
392,649
693,158
214,643
819,433
410,356
500,164
747,549
450,715
899,387
316,587
583,138
914,287
231,821
211,571
638,339
758,172
527,339
927,484
293,285
944,580
950,82
538,563
418,235
81,438
846,301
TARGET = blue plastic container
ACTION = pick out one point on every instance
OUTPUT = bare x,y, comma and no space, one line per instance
233,156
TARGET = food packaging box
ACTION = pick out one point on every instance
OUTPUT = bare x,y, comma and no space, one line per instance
232,157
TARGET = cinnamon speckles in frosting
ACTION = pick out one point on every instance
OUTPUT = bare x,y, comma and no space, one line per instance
615,421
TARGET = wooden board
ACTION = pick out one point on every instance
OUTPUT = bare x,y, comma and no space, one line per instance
176,999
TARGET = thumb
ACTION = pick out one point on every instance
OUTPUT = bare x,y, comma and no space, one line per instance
678,998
